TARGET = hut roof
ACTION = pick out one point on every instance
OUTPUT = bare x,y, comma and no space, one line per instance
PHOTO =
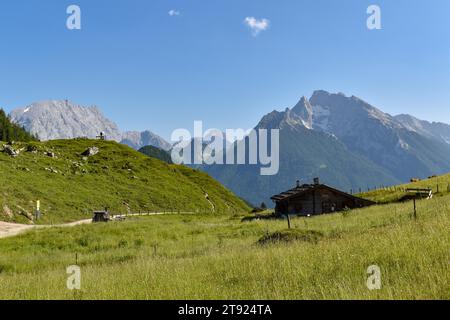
292,192
308,187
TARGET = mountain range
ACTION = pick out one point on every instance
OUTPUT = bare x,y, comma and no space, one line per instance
62,119
344,140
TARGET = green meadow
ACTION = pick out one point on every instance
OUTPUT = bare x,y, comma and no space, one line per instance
440,185
215,250
212,256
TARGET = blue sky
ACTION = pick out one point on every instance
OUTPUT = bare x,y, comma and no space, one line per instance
147,69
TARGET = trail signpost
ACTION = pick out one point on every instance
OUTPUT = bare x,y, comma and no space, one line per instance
101,136
37,213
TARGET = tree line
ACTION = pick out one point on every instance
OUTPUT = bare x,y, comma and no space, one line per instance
12,132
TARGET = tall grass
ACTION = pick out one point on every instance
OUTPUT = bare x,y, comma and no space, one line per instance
218,257
440,186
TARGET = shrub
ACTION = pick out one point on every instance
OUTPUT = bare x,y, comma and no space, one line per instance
291,235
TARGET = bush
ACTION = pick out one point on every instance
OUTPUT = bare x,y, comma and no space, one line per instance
291,235
122,243
257,210
31,147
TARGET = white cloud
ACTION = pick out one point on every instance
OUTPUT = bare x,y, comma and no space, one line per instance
256,25
174,13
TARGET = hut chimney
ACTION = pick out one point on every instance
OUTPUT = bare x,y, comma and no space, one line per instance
316,181
298,183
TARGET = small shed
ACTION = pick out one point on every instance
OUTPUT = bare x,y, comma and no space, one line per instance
101,216
316,199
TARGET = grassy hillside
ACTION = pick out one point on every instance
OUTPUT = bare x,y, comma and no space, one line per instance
219,257
440,186
71,186
157,153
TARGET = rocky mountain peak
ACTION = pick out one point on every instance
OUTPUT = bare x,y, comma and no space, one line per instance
63,119
272,120
57,119
302,113
436,130
320,93
334,113
339,111
137,140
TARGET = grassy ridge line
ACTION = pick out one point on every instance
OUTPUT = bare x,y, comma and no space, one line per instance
118,177
217,257
393,194
157,153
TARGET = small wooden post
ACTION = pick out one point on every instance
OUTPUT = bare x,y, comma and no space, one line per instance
289,221
37,213
415,209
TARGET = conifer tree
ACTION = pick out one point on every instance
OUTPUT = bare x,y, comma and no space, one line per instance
12,132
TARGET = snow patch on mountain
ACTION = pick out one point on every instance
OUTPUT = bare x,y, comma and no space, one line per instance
436,130
321,118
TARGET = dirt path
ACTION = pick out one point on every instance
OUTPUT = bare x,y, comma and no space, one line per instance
13,229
